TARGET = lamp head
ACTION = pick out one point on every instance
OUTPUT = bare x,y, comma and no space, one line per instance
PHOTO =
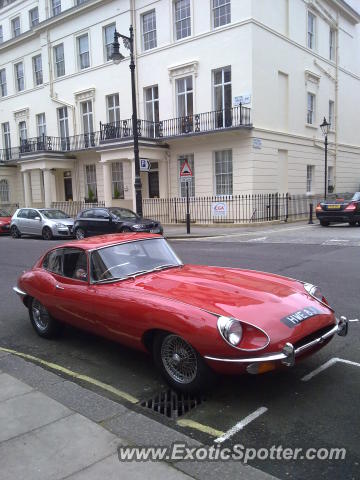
325,127
116,56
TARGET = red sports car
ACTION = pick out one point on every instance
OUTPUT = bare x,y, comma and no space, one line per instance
5,220
196,320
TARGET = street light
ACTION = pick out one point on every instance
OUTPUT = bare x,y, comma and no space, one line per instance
117,57
325,130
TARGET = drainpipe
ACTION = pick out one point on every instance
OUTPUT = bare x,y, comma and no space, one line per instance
53,95
133,23
336,106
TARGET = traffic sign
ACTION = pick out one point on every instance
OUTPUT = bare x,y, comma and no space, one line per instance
145,165
185,170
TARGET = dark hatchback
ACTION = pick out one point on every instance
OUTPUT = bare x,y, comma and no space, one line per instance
101,221
339,211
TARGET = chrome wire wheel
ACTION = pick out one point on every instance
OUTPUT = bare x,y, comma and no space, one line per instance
79,234
40,316
179,359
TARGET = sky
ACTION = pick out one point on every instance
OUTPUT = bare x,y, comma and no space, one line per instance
355,4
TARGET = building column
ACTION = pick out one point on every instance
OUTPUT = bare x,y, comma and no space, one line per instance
49,188
107,184
27,188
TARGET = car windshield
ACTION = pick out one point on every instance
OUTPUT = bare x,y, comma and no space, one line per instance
356,197
4,213
54,214
123,213
125,260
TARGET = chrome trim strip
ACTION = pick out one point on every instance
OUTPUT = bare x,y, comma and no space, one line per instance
19,292
279,355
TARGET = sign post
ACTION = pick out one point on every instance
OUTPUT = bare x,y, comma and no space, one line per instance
186,176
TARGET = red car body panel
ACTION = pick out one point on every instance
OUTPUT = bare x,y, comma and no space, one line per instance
5,225
185,300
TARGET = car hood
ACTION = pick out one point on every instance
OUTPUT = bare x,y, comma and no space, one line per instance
5,220
255,297
64,221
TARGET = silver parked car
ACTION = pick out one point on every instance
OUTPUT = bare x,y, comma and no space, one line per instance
45,222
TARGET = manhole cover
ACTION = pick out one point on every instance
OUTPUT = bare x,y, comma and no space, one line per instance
172,404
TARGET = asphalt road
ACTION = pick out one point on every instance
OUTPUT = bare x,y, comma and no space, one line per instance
321,412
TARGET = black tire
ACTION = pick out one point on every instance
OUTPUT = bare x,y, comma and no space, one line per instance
15,232
47,233
198,378
126,230
352,223
324,223
80,233
44,324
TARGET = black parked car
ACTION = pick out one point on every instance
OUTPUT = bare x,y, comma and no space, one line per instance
100,221
339,211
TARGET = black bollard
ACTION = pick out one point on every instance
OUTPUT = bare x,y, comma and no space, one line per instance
310,222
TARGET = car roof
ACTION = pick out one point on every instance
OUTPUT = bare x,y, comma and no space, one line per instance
92,243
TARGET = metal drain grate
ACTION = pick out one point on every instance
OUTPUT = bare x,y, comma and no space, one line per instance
172,404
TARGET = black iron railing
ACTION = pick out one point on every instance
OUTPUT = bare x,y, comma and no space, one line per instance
60,144
73,208
123,129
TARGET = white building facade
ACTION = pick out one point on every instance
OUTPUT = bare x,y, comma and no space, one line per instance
236,87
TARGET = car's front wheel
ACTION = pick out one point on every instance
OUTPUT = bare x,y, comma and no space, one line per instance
15,232
80,233
43,323
180,364
324,223
352,223
47,233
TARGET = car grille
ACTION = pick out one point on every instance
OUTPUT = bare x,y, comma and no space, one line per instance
313,336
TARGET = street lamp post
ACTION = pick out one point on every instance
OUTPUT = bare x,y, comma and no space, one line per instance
325,130
117,57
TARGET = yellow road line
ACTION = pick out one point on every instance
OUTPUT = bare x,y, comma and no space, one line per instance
184,422
79,376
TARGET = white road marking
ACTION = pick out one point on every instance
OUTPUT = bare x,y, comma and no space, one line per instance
326,365
240,425
354,320
259,239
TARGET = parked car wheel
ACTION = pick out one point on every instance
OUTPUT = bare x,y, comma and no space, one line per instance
324,223
47,233
15,232
125,230
80,233
180,364
352,224
44,325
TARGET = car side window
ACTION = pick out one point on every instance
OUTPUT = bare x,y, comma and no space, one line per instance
100,214
75,264
87,214
33,214
53,261
23,213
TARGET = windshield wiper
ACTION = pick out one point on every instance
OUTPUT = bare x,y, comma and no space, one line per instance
168,265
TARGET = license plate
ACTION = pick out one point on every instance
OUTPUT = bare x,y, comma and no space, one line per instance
155,230
297,317
334,207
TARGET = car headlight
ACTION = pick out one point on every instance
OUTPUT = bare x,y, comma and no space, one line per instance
231,330
137,226
60,225
315,292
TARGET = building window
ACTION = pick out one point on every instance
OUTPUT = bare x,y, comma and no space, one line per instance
190,160
6,135
83,51
117,180
4,191
109,31
223,173
55,7
113,108
59,60
331,115
222,97
34,17
37,68
184,100
3,84
87,116
149,30
22,132
63,127
221,10
309,177
90,182
151,95
19,76
310,118
182,19
332,44
311,30
41,125
15,27
1,34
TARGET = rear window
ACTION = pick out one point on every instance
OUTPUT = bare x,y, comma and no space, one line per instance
53,261
23,213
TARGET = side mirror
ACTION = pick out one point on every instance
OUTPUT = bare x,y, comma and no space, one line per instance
37,218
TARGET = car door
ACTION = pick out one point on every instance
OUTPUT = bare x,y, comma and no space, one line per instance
101,222
34,222
21,220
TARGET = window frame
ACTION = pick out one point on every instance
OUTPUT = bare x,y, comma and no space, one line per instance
143,33
59,62
85,54
115,183
332,44
17,78
311,35
37,72
56,7
4,190
216,8
31,20
88,115
310,175
217,175
176,22
331,116
106,45
313,111
41,125
6,134
13,29
87,168
3,84
1,34
22,130
114,108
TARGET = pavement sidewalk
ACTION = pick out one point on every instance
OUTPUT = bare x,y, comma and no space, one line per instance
51,428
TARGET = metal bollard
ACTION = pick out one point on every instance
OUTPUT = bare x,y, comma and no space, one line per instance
310,222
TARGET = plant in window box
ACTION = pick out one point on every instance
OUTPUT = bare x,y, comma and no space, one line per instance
91,197
116,194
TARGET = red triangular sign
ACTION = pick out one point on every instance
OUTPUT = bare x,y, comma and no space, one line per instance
186,170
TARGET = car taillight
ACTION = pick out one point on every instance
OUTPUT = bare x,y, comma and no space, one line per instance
318,208
351,207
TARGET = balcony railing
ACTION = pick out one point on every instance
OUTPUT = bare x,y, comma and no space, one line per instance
218,120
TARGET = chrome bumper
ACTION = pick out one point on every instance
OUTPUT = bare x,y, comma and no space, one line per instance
19,292
289,352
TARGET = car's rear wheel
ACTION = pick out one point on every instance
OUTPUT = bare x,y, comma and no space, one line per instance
125,230
324,223
80,233
352,223
43,323
47,233
180,364
15,232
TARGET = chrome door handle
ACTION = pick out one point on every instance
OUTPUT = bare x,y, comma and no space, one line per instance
59,287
